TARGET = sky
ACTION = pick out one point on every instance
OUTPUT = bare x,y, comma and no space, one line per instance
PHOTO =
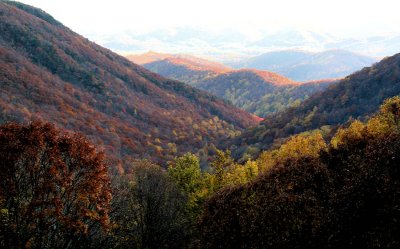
338,17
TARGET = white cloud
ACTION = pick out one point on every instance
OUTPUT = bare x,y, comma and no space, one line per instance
337,16
230,28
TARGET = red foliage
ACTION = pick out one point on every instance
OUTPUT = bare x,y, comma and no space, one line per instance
50,73
53,185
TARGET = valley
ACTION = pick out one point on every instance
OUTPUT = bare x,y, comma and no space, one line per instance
231,137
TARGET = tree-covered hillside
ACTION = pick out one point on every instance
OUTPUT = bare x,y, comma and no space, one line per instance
259,92
356,96
50,73
249,90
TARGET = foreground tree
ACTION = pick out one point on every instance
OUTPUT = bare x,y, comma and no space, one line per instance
54,188
148,210
186,173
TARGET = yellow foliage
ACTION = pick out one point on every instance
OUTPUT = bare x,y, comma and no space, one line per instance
385,122
297,146
354,131
266,160
376,126
238,174
302,145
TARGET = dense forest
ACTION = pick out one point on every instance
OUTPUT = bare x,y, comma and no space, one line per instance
259,92
342,194
263,96
98,152
117,104
55,192
357,96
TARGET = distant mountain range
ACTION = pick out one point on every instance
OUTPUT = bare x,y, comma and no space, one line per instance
357,96
294,38
374,46
231,45
256,91
305,66
50,73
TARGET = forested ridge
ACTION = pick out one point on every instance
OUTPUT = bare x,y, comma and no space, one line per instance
259,92
341,194
263,96
357,96
97,152
50,73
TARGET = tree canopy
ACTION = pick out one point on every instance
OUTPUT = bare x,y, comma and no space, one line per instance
54,187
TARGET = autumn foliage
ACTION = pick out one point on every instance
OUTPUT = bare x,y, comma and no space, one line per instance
305,193
259,92
54,187
345,196
120,106
357,96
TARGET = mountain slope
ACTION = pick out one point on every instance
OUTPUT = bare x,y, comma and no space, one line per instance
258,95
305,66
256,91
356,96
49,72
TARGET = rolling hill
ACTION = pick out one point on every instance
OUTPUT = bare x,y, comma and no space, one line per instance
259,92
50,73
357,96
148,57
306,66
185,68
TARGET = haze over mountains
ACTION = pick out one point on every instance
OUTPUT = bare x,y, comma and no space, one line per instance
49,72
305,66
228,45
